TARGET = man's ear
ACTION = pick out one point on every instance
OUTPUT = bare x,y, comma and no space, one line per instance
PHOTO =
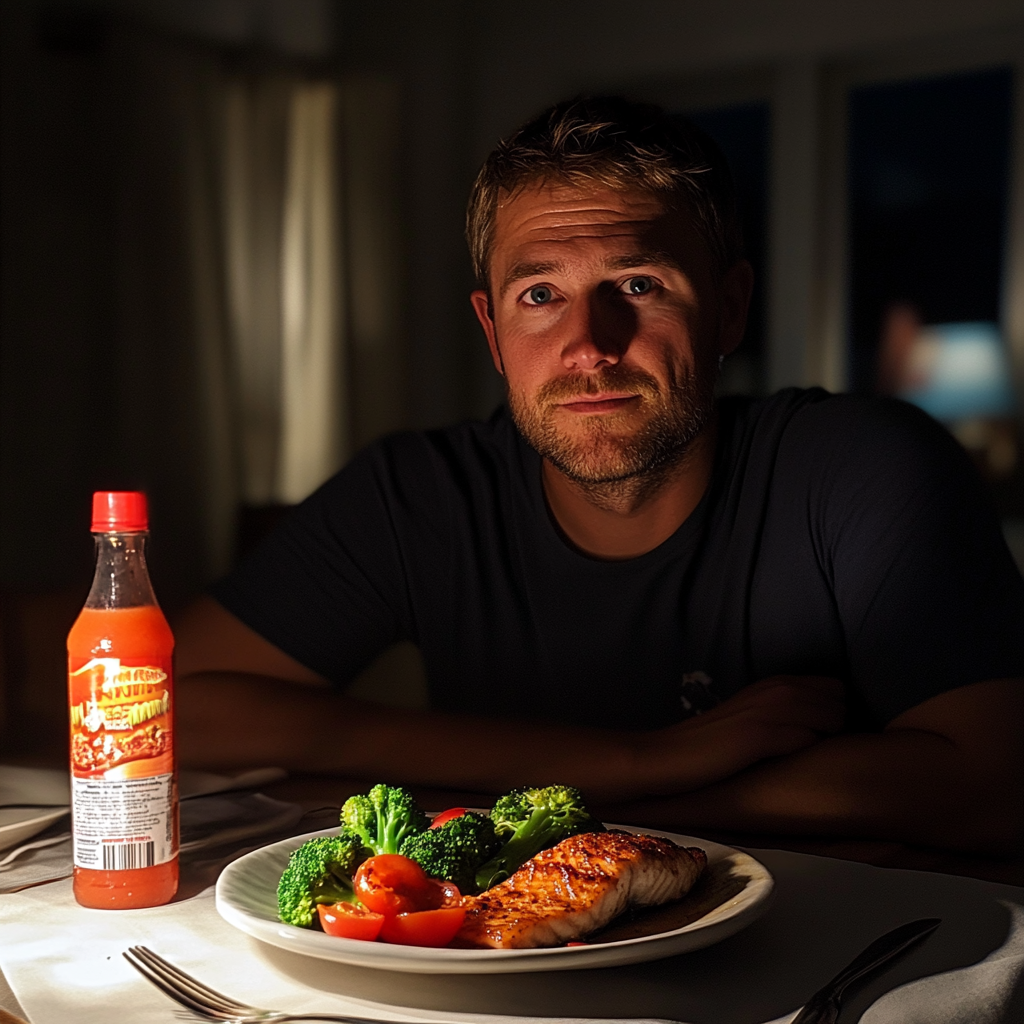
736,287
484,313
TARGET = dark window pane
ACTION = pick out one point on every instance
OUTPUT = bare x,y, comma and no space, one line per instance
928,174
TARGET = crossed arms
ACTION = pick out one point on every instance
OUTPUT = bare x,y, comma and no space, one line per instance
947,773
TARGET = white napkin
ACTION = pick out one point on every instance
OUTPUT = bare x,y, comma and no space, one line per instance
64,962
207,820
67,965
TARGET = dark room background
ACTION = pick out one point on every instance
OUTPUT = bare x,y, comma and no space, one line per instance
232,245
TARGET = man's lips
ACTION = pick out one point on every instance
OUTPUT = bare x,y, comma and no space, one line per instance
599,403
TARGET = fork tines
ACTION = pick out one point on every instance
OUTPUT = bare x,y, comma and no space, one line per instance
183,987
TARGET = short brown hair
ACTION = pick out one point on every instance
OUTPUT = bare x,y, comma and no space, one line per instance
614,142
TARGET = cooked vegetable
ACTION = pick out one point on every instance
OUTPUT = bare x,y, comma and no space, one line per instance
531,820
319,871
453,812
392,884
348,921
384,817
392,875
456,849
424,927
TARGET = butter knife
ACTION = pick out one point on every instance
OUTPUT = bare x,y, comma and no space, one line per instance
823,1007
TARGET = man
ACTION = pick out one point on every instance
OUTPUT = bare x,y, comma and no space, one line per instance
795,615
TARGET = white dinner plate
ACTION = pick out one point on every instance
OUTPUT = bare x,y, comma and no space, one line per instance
25,786
734,891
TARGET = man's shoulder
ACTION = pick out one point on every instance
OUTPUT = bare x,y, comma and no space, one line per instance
421,467
814,422
840,452
815,403
491,440
839,460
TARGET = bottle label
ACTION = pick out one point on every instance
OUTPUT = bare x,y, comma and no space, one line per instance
122,763
123,824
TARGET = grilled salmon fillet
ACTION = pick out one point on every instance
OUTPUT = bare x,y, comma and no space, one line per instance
578,886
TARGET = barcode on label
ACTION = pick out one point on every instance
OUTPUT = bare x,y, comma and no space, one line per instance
124,856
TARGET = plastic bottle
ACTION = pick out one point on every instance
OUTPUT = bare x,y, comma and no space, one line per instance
124,794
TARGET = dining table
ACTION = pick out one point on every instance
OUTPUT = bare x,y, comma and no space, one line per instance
62,963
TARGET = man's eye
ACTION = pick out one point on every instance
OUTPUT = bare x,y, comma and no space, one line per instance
541,295
639,285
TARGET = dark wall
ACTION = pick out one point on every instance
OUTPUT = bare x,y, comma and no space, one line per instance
56,293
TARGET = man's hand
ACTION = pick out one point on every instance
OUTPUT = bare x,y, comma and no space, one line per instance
771,718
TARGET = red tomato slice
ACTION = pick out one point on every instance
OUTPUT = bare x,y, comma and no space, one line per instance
392,884
349,921
452,812
446,895
424,927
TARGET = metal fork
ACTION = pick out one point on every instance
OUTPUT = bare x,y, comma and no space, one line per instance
213,1005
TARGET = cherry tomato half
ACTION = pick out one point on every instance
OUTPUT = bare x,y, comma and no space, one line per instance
392,884
447,894
423,927
452,812
349,921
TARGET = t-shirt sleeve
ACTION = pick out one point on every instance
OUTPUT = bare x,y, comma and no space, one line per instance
928,594
329,586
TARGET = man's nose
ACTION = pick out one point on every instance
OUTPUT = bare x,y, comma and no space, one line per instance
593,339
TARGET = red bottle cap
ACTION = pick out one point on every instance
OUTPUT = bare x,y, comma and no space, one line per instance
119,512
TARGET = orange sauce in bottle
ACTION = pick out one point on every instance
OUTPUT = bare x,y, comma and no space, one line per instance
120,687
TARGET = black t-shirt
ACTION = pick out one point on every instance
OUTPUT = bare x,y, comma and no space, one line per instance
839,536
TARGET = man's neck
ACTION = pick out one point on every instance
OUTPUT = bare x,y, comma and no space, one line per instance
627,518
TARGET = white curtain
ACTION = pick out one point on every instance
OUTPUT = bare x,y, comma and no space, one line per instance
313,410
284,276
233,287
252,185
183,320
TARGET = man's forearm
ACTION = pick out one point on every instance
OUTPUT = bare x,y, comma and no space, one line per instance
903,785
233,720
228,721
913,783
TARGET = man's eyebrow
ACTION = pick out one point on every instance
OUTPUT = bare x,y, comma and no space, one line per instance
644,258
524,269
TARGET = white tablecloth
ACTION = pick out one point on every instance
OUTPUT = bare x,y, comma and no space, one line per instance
64,963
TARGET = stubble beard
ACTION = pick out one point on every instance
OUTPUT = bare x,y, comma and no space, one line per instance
617,468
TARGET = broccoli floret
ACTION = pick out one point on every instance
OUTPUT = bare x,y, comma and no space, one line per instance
453,851
319,871
531,820
384,817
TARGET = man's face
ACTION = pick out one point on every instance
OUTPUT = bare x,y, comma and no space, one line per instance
608,321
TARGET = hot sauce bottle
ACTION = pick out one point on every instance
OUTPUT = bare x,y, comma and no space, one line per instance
124,799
